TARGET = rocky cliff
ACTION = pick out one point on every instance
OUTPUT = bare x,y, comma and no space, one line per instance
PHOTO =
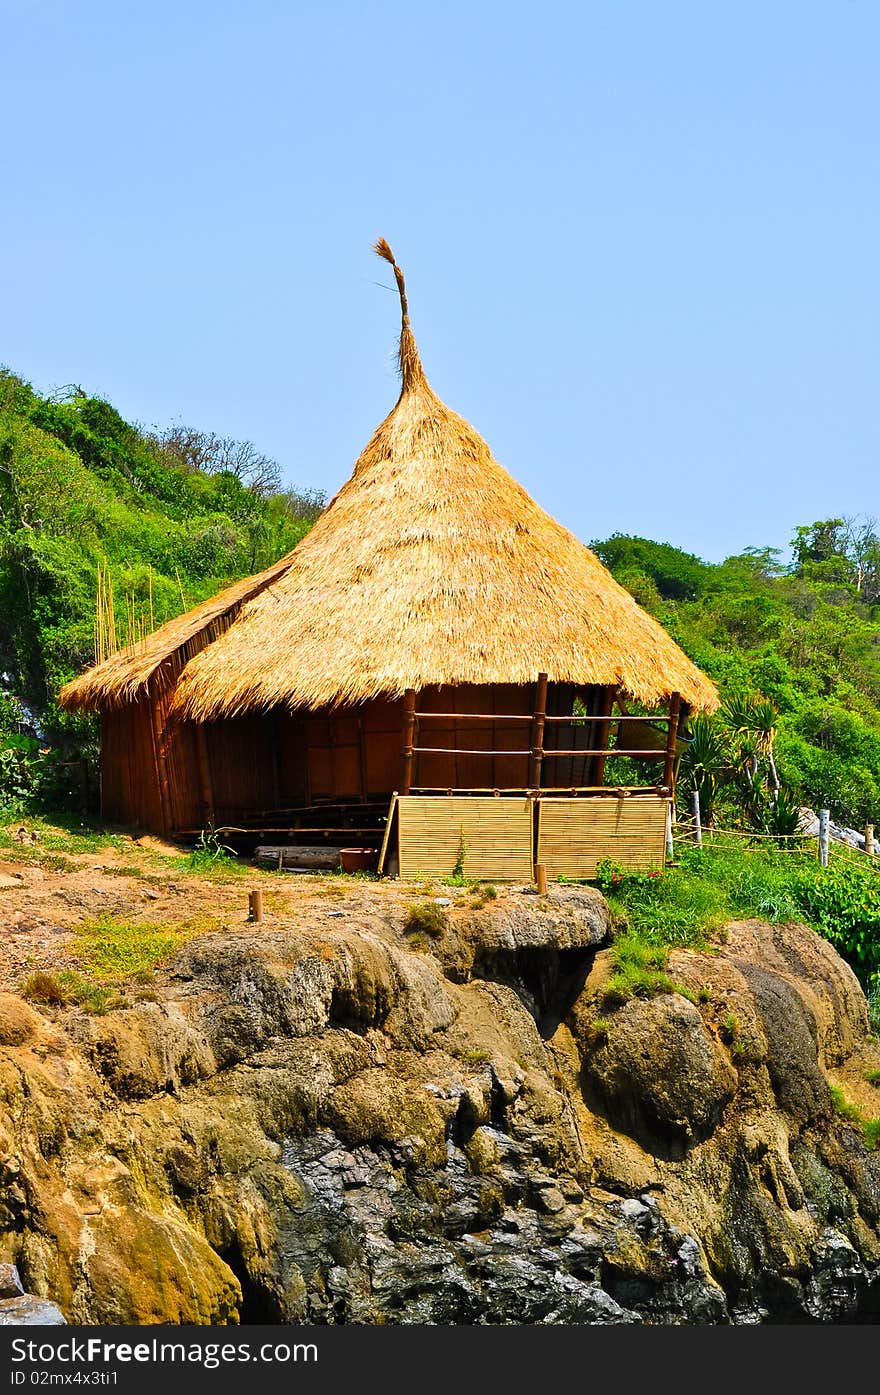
333,1125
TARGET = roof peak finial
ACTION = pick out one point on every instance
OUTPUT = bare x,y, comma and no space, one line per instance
411,371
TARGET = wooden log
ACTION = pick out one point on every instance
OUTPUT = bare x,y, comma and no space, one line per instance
869,839
289,855
541,878
255,906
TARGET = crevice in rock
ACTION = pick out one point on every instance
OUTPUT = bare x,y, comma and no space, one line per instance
547,981
259,1306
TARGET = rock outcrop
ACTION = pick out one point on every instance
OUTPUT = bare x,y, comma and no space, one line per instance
329,1126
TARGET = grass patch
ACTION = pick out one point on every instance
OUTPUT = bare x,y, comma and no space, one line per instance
638,970
481,895
711,885
845,1109
426,918
113,951
596,1031
45,989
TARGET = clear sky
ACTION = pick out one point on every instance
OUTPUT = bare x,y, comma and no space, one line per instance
640,239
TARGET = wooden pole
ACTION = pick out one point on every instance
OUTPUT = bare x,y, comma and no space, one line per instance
869,839
255,906
604,732
384,849
538,720
671,738
409,726
670,846
541,878
824,817
698,827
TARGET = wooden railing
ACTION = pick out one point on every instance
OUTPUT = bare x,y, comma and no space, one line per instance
537,752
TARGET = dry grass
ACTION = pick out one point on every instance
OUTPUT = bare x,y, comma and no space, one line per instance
431,566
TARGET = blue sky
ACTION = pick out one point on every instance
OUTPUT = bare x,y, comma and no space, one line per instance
640,240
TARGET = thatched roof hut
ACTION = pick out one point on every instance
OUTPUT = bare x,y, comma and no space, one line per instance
430,566
430,570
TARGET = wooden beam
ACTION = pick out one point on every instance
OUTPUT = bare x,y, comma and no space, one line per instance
538,718
671,738
409,726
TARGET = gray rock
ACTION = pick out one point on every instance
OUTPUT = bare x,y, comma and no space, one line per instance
30,1312
10,1283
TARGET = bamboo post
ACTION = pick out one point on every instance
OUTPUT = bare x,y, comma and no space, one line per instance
255,906
824,816
869,839
538,719
541,878
670,847
384,849
409,726
698,827
671,738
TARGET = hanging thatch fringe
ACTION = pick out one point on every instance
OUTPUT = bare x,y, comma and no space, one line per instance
430,566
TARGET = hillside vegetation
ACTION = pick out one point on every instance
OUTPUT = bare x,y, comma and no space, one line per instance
168,518
802,633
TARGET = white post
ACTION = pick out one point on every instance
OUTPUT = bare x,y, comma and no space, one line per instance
824,816
869,839
670,847
698,827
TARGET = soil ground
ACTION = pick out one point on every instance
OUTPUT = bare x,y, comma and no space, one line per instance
47,891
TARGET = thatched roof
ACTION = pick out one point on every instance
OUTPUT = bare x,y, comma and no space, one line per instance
430,566
131,672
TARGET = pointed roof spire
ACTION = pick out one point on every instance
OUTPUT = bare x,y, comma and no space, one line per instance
411,372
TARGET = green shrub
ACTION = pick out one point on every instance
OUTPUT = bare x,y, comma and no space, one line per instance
425,917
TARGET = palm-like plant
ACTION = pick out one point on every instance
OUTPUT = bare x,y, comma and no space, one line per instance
752,722
705,764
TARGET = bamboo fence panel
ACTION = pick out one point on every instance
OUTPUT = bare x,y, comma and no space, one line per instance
496,835
575,834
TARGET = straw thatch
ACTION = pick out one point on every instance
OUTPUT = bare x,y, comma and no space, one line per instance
430,566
